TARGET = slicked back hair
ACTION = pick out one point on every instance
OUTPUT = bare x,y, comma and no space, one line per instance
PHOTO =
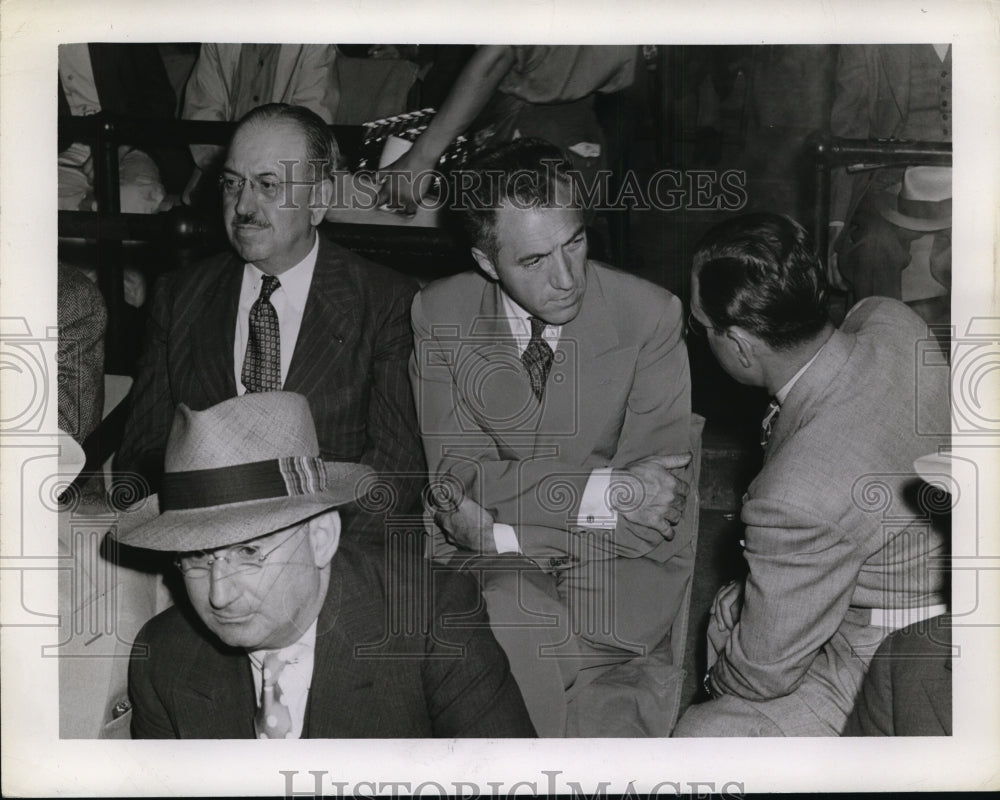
322,149
761,273
524,174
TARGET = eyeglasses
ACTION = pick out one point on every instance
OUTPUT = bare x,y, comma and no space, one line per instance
696,326
265,188
244,557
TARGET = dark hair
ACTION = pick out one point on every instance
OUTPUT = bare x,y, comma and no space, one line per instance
321,145
761,272
523,174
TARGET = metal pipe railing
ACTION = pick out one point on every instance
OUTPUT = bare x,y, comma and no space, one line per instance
829,152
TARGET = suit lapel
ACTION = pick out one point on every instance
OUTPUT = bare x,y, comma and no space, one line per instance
591,367
330,322
217,701
215,324
813,384
493,378
339,684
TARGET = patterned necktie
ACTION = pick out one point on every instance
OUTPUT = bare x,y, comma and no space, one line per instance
537,358
273,719
769,421
262,363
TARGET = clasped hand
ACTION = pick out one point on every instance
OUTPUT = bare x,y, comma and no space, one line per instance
467,525
653,494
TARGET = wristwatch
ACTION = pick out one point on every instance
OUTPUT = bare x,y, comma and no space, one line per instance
706,684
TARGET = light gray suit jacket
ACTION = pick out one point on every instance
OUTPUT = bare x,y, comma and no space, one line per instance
619,391
835,524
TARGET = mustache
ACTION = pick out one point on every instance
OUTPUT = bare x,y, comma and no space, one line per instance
249,219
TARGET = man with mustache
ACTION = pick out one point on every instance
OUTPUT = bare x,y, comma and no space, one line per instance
288,309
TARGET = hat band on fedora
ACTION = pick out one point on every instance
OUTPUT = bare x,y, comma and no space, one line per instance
924,209
242,483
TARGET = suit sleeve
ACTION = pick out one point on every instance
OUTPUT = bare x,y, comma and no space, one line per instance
315,81
803,570
394,448
657,420
82,319
150,719
151,409
473,695
207,97
850,117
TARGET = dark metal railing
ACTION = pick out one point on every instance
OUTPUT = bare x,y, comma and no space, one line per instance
830,152
183,228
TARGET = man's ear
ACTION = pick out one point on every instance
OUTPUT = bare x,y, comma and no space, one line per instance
324,537
485,263
742,344
322,196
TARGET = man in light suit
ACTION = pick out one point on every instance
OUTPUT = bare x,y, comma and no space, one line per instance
281,609
839,547
342,336
562,485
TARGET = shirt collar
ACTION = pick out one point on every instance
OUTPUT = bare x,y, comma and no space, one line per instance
782,393
520,327
294,281
295,651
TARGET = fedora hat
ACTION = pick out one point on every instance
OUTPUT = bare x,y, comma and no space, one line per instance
244,468
922,202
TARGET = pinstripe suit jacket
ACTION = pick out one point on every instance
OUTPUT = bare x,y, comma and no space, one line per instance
423,680
350,362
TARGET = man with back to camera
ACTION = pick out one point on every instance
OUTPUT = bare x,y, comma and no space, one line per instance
554,401
289,309
839,550
283,609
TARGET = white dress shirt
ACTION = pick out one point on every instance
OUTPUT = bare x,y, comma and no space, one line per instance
295,679
594,511
289,301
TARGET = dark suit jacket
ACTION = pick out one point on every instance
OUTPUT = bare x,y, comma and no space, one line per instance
350,362
429,680
907,691
132,81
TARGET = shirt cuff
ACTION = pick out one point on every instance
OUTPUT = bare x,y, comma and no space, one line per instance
505,538
594,509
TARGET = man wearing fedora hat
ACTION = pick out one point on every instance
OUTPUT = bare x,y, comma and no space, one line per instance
292,634
883,92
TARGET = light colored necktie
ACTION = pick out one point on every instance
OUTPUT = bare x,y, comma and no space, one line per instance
769,422
273,720
262,363
537,358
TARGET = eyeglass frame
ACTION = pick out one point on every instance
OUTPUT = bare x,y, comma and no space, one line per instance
200,572
231,185
697,327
